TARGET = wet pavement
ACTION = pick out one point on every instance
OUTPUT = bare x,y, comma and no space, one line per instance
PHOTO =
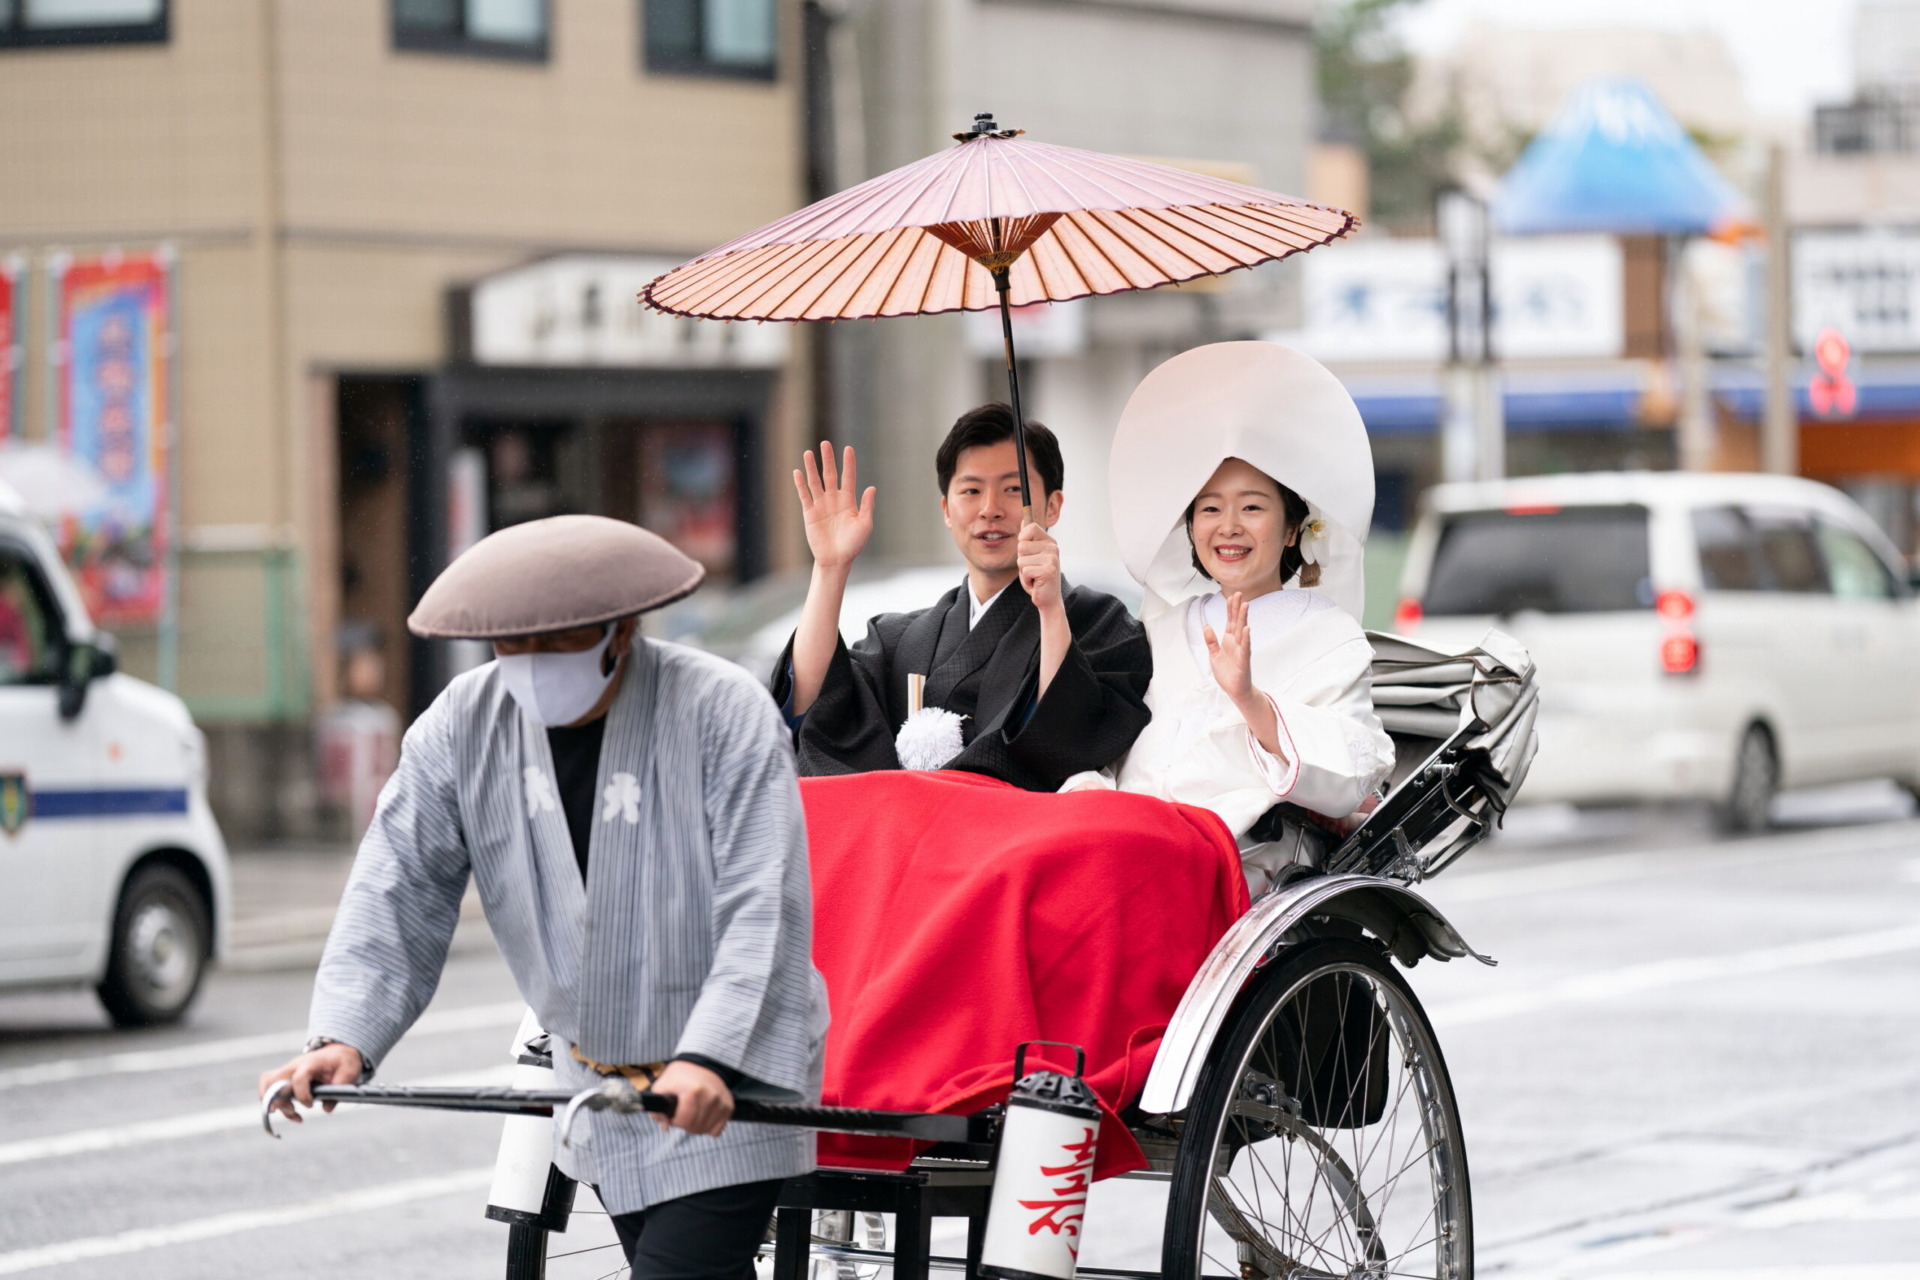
1697,1058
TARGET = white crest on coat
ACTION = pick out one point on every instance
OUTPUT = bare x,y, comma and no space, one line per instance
621,798
539,793
929,738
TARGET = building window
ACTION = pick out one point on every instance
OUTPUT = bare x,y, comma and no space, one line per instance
26,23
709,37
489,28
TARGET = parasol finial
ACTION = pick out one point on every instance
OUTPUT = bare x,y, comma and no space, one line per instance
984,127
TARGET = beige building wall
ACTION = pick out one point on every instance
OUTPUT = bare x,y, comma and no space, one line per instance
584,149
323,191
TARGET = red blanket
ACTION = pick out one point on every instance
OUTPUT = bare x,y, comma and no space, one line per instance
956,916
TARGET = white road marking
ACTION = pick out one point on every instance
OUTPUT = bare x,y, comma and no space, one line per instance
284,1043
1611,983
1611,868
192,1125
1848,1205
364,1199
1812,1271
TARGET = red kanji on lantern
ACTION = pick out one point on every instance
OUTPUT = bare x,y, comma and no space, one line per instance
1831,391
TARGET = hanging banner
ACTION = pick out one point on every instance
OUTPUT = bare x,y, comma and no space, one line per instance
113,400
12,335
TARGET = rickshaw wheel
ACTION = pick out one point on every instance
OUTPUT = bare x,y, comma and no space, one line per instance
587,1250
1323,1140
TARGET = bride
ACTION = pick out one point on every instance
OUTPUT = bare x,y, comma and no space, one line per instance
1242,487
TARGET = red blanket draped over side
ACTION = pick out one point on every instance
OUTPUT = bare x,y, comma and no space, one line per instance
956,916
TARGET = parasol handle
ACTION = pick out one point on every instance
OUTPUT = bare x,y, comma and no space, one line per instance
1002,282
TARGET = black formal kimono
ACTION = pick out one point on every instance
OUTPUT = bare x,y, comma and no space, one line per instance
1093,710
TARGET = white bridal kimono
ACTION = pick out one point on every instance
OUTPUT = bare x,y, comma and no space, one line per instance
692,933
1311,660
1284,413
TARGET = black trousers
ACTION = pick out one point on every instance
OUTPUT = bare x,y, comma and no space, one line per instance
709,1235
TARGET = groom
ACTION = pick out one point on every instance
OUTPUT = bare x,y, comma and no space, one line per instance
1051,679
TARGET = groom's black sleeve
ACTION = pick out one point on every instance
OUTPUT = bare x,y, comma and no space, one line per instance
850,726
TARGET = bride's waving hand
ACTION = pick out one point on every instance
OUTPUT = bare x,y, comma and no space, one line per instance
1231,657
1232,654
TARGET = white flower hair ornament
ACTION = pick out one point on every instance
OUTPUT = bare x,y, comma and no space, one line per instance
1312,547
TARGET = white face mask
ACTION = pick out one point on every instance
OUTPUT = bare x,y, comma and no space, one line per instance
557,688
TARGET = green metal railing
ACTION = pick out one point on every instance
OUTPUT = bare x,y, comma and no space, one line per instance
240,646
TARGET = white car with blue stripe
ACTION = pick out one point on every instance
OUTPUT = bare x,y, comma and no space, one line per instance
113,871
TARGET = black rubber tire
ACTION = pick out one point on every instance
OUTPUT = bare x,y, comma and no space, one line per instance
1247,1030
526,1253
1747,810
162,940
563,1231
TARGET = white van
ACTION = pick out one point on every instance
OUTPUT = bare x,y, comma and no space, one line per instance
1711,637
112,869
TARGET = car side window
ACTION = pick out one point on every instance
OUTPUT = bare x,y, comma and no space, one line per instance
1854,570
1729,552
1789,558
29,647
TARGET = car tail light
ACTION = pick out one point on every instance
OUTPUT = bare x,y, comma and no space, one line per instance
1407,617
1679,647
1679,653
1676,606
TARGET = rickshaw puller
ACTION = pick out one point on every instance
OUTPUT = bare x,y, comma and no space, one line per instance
629,812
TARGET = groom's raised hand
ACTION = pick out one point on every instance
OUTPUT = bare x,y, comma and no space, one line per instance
1039,565
838,527
838,522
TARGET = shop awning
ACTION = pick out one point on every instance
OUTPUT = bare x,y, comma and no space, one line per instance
1589,400
1884,390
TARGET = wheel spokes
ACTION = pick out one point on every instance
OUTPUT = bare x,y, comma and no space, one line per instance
1341,1071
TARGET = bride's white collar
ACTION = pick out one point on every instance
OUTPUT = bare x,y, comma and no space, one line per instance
1269,616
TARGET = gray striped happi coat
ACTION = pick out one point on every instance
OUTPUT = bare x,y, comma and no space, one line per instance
692,933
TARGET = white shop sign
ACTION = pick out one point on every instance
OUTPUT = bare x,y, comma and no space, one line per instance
1040,330
1864,283
1386,300
584,309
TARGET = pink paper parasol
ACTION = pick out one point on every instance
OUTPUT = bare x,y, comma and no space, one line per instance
994,221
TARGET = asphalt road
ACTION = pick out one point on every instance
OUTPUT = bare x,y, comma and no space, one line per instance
1697,1058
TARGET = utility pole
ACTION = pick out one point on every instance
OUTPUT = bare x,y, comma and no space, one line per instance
1696,426
1779,427
1473,440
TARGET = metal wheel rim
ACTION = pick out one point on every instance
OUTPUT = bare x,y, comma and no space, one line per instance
162,951
1311,1203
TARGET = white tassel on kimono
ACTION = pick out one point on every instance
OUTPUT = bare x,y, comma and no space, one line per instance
929,738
